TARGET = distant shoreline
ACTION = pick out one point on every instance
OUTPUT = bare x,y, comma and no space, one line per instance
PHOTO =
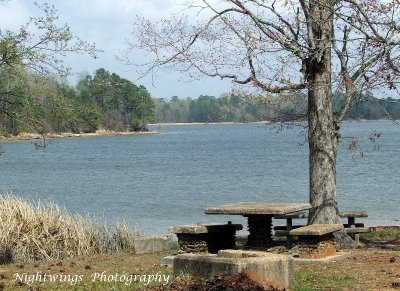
260,122
208,123
36,136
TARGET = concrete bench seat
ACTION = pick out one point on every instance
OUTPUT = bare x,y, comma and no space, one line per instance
308,230
316,230
195,238
316,240
358,230
354,232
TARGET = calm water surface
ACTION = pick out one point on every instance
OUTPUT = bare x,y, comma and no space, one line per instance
154,181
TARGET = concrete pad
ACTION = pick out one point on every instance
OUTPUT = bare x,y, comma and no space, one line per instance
273,268
154,244
336,257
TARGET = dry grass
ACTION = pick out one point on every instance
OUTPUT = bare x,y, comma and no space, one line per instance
36,231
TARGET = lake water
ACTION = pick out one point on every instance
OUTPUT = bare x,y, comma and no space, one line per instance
154,181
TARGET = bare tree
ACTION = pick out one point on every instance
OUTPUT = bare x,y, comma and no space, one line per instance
319,46
40,44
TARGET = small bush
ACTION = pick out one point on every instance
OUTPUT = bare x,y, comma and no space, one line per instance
37,231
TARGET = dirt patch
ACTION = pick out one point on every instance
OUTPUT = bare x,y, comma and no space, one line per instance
365,269
321,250
228,283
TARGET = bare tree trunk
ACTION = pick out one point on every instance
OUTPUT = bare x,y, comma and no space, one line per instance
323,144
323,133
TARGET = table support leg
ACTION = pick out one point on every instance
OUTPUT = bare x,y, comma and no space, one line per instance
260,231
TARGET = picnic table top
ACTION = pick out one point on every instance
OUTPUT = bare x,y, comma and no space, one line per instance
353,214
257,208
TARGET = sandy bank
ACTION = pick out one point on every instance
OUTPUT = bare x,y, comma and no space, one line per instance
33,136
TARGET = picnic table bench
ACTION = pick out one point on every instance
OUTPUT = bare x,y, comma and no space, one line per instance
195,238
316,240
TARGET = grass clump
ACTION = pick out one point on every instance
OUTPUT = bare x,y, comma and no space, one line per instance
385,233
38,230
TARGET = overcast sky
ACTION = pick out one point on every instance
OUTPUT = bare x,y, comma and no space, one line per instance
108,23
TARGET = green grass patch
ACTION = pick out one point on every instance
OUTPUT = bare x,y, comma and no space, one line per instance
306,280
383,233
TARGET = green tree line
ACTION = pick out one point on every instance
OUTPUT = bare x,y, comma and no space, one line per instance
244,108
33,103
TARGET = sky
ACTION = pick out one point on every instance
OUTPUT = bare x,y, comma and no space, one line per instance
108,23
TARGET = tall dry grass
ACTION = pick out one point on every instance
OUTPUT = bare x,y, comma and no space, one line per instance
43,230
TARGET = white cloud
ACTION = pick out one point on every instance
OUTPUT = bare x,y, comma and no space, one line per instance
108,23
116,10
13,14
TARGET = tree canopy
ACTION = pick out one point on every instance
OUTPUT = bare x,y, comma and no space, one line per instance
34,96
123,105
50,105
30,59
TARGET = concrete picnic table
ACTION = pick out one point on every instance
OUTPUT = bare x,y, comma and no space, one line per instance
351,216
259,217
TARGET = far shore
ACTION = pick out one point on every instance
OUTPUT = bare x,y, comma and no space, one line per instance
257,122
207,123
36,136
